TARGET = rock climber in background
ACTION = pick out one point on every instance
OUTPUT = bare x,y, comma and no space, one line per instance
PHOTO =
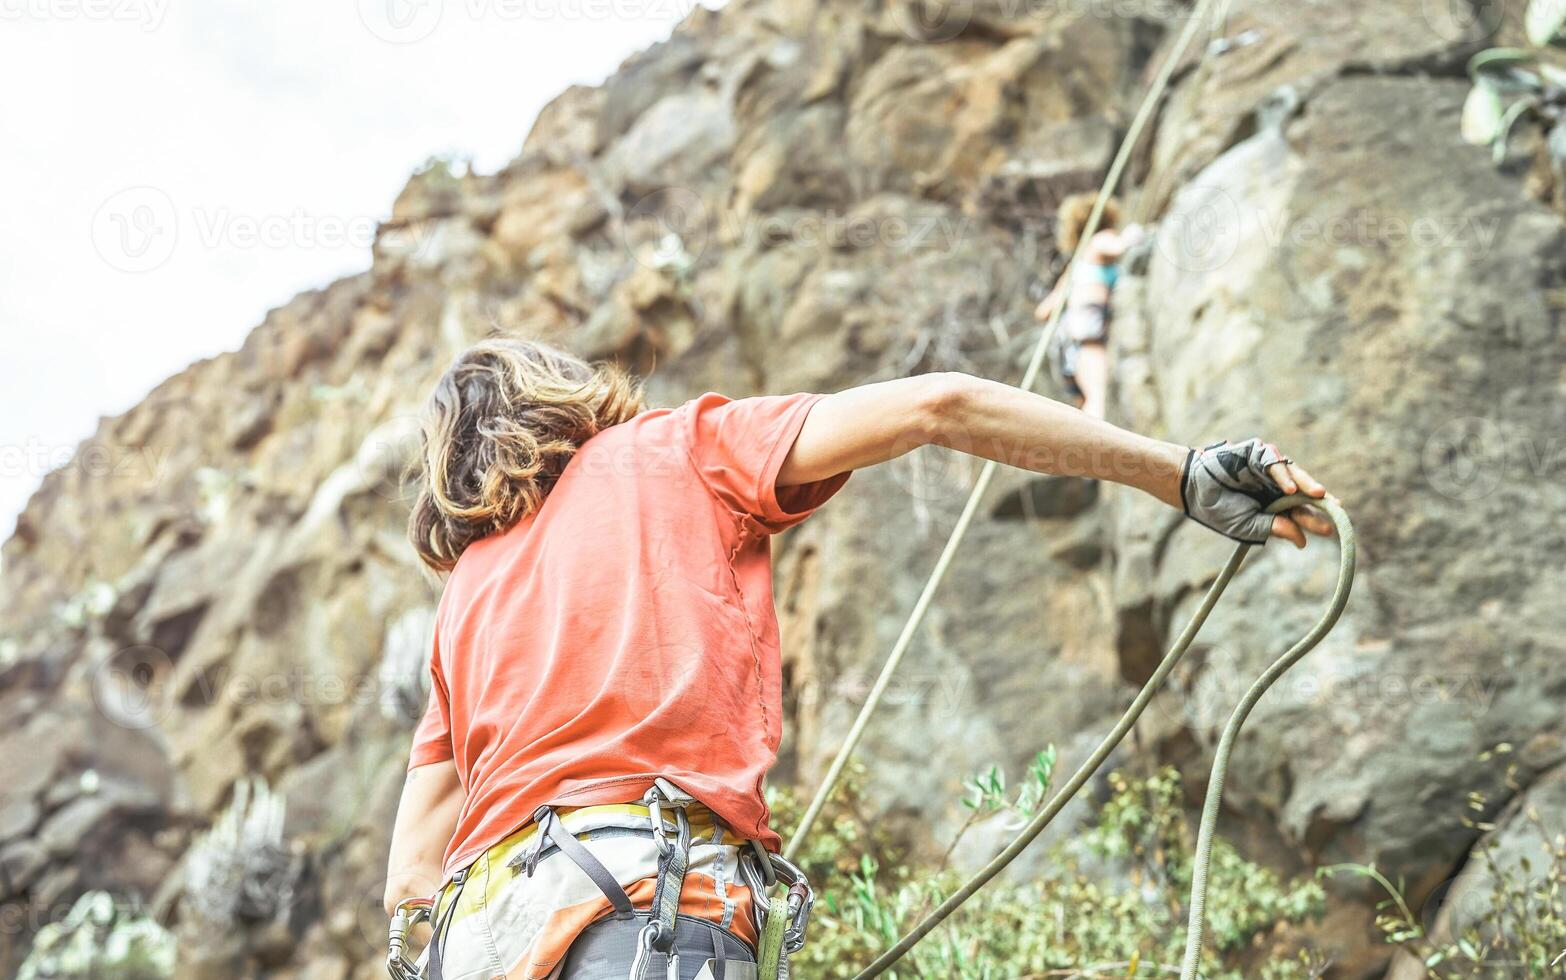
1081,345
584,795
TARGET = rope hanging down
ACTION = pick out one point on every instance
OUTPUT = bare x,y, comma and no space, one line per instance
1215,10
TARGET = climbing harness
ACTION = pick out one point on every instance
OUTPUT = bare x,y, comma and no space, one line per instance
658,942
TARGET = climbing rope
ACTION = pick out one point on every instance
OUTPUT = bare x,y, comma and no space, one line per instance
1204,839
1215,10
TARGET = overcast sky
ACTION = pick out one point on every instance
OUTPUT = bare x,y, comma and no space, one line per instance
171,169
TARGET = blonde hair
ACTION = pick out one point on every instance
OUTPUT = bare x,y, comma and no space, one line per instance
1072,217
497,431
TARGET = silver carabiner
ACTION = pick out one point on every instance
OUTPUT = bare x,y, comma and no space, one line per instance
801,899
655,814
409,913
644,941
655,798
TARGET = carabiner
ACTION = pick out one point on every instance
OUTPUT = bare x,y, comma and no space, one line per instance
409,913
801,899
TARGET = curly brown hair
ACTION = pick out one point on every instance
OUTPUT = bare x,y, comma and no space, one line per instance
1072,217
497,431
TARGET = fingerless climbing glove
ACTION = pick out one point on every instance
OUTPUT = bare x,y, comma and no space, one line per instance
1225,486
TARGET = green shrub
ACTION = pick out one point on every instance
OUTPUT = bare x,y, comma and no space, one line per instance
1511,84
100,939
1516,927
1071,922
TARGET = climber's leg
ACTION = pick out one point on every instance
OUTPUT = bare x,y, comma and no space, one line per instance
1085,356
1066,354
1092,377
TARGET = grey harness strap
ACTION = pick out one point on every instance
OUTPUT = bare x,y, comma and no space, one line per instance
658,935
673,863
551,830
432,969
672,867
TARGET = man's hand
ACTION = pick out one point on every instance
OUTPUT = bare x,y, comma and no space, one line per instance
1228,486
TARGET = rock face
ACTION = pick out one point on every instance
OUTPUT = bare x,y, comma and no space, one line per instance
793,196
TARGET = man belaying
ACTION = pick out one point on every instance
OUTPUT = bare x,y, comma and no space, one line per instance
584,793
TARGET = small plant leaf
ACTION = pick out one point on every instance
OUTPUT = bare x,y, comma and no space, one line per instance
1508,70
1492,61
1482,115
1544,21
1508,120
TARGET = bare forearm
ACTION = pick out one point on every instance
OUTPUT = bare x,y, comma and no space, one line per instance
1020,428
877,422
1046,307
427,815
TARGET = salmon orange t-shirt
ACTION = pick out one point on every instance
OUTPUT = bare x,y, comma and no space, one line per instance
626,630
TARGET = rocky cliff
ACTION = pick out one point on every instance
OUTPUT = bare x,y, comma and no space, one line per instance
213,632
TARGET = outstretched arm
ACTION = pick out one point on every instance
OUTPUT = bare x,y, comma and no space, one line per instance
432,798
878,422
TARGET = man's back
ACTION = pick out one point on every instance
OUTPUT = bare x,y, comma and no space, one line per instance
625,631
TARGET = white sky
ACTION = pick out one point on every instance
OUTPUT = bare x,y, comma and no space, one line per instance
171,169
